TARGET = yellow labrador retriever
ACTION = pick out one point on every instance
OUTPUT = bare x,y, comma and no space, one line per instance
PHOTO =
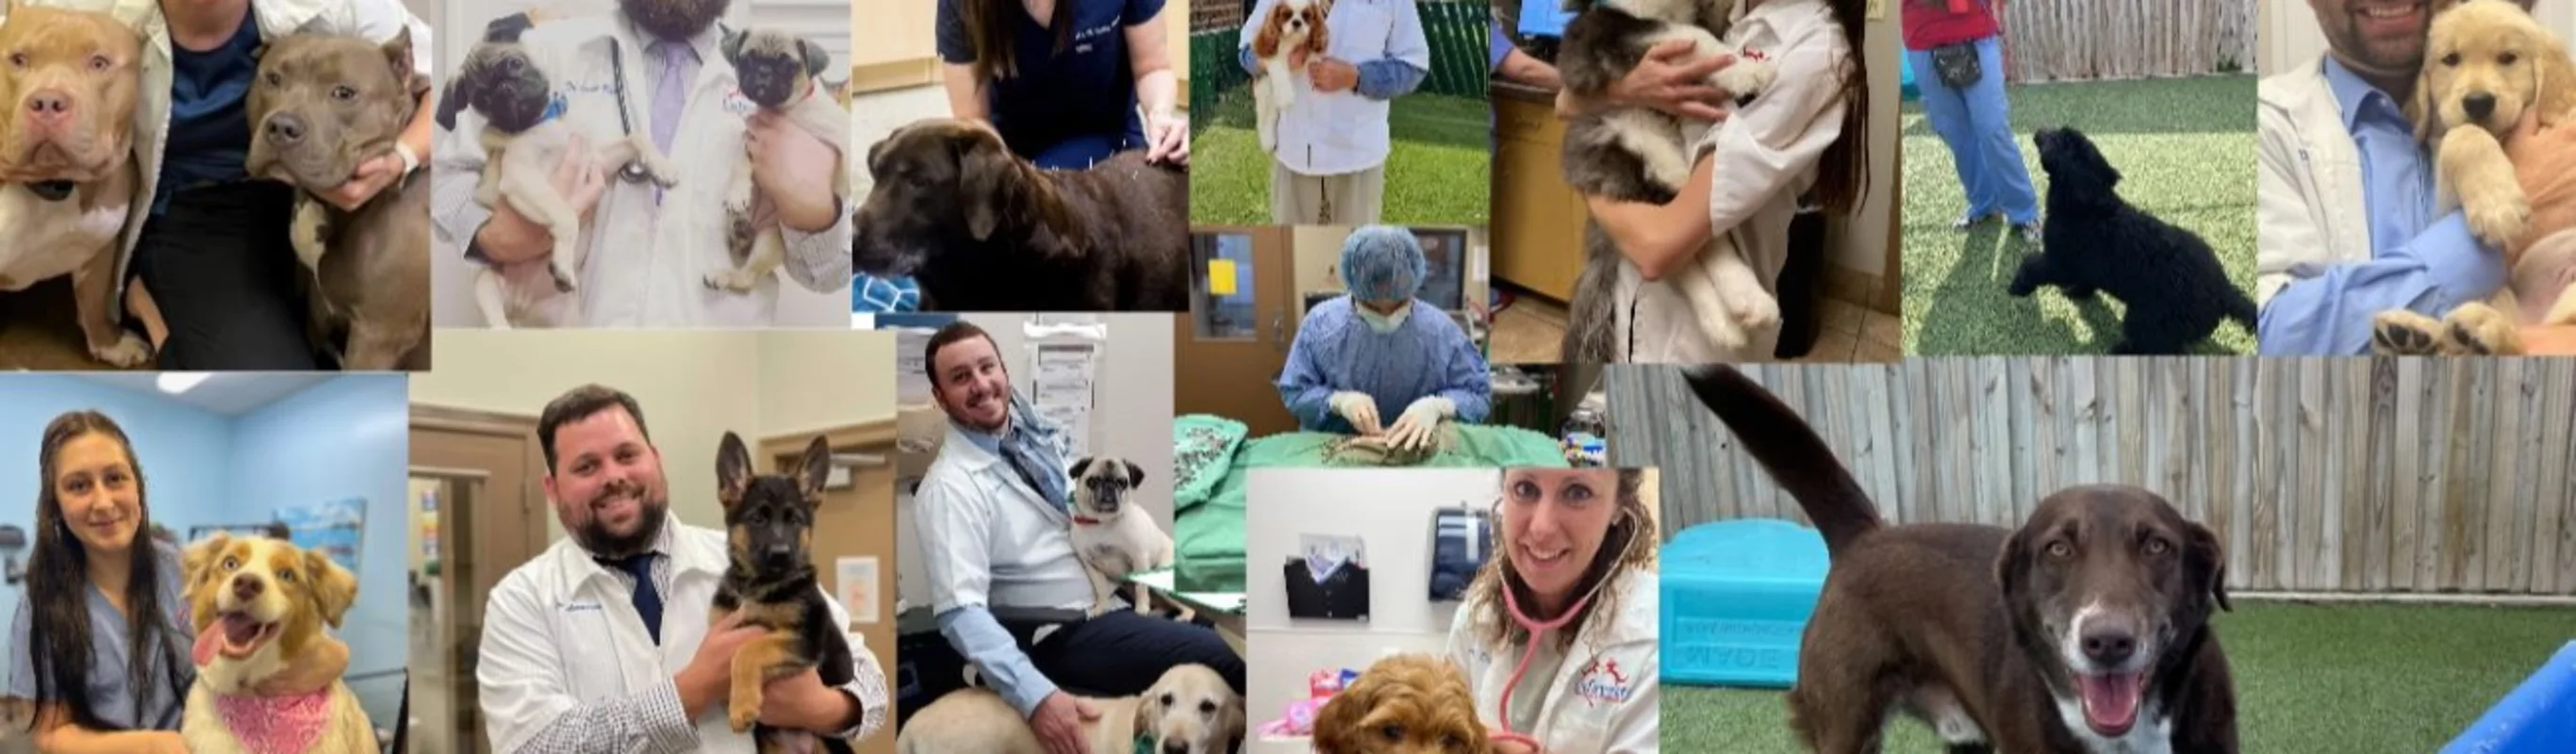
67,173
1189,711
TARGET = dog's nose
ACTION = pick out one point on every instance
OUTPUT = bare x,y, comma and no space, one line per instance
285,128
2110,646
2479,105
245,587
49,106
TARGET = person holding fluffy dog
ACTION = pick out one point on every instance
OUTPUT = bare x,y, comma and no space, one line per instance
1557,634
1329,164
1800,141
993,516
655,67
2348,191
99,643
603,642
1378,348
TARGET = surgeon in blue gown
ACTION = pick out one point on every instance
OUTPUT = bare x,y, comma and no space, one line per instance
1379,349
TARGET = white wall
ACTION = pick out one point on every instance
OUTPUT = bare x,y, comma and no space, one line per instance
2290,35
1391,511
1859,243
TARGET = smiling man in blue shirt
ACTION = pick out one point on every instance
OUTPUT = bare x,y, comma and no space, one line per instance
2347,224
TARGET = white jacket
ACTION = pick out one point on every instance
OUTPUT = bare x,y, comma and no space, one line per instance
647,262
374,19
2310,207
1603,696
1766,157
1024,556
560,631
1343,132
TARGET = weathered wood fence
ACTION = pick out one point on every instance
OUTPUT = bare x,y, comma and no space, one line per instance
2083,40
2327,475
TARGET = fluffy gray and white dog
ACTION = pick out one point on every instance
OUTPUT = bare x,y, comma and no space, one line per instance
776,71
1640,154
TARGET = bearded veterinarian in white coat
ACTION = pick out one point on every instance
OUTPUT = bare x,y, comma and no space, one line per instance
1753,168
1576,668
572,662
650,248
206,242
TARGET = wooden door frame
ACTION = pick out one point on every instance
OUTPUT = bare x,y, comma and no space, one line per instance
529,521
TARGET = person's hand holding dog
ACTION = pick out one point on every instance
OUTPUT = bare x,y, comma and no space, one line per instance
1167,138
802,702
1666,80
510,237
2544,162
792,168
313,671
371,178
709,674
1331,75
1058,721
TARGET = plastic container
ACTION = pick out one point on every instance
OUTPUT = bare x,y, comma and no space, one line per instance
1736,598
2538,716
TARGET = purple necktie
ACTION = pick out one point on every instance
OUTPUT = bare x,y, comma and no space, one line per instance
671,93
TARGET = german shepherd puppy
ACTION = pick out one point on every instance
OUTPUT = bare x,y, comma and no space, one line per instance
769,527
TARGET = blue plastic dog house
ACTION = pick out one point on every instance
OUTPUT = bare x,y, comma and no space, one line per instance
1736,597
1905,82
2538,716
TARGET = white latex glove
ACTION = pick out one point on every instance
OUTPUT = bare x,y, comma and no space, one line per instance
1357,407
1420,423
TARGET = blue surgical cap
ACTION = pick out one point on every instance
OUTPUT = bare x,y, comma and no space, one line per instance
1383,263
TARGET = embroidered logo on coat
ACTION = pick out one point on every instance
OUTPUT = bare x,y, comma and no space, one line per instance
1601,682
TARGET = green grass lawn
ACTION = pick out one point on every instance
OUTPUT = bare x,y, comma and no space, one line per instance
2185,151
1438,171
2309,678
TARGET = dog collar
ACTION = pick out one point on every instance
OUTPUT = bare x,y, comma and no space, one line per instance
52,191
554,109
1085,521
275,723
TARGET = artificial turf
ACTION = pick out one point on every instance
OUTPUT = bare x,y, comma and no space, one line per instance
2340,678
2185,152
1438,168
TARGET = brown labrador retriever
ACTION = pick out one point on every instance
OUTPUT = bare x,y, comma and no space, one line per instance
982,230
2085,630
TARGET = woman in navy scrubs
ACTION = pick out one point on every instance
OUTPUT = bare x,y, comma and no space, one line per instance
1063,81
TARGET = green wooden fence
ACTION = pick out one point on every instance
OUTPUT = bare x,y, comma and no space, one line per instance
1455,30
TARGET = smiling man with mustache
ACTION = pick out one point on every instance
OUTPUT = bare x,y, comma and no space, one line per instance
2345,222
602,644
993,516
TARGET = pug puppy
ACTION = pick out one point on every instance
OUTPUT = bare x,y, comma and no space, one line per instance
1111,537
776,71
523,137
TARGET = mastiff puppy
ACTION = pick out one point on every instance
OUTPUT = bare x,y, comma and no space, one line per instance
67,174
983,230
323,105
776,71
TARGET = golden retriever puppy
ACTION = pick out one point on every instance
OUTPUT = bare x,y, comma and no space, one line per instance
1404,704
1190,710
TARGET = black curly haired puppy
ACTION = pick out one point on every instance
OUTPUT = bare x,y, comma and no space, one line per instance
2175,289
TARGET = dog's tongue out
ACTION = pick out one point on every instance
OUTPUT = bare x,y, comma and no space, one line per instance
233,631
2111,700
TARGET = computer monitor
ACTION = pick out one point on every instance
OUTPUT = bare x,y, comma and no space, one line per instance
1444,253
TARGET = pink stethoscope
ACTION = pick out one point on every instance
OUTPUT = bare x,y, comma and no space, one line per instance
1537,629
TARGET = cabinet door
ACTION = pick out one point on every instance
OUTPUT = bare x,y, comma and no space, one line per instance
1537,220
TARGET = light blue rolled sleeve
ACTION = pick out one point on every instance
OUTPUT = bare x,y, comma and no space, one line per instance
2328,310
1497,46
980,637
22,671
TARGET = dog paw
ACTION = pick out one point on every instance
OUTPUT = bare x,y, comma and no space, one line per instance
127,352
2399,332
736,281
1755,312
1721,330
2477,329
1746,78
742,717
2499,221
565,280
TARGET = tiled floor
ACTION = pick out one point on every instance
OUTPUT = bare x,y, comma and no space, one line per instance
1531,331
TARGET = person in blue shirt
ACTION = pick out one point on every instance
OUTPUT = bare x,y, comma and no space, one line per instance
1064,81
1379,348
2346,221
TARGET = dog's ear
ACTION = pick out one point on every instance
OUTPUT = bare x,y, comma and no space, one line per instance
2205,562
1135,475
200,556
988,179
1337,724
815,469
1147,709
334,588
731,46
733,470
1265,43
1078,468
2421,108
2555,71
817,59
2012,570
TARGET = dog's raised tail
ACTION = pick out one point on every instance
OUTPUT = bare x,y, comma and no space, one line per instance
1790,450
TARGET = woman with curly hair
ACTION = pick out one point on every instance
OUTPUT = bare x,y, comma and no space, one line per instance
1557,634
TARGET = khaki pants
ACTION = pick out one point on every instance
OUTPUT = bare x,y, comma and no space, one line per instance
1346,199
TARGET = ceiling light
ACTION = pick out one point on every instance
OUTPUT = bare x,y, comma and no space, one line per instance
175,383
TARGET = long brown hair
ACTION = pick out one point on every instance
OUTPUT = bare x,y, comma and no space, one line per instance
1842,176
991,27
1629,547
60,646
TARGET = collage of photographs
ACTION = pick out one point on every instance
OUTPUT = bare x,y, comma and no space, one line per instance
1058,376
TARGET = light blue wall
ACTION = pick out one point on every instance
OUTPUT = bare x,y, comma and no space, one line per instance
345,437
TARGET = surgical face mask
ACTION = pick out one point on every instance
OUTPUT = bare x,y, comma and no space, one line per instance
1383,323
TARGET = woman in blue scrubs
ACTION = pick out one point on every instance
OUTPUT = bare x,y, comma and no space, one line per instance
1379,348
1064,81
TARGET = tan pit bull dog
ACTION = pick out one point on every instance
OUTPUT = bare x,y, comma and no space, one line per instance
67,174
327,104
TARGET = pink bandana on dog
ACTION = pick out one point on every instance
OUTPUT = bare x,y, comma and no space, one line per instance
275,724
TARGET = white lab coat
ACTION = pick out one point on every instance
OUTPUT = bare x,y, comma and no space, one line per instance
1766,157
647,262
373,19
1342,132
1589,709
1025,557
560,631
2311,209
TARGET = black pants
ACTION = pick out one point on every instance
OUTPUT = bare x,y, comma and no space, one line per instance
1117,654
221,270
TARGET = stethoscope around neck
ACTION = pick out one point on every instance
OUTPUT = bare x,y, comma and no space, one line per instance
633,171
1537,630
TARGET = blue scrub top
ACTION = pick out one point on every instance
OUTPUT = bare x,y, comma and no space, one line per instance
111,693
1064,110
1427,355
209,127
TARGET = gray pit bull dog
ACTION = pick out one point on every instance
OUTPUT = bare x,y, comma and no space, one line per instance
322,106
